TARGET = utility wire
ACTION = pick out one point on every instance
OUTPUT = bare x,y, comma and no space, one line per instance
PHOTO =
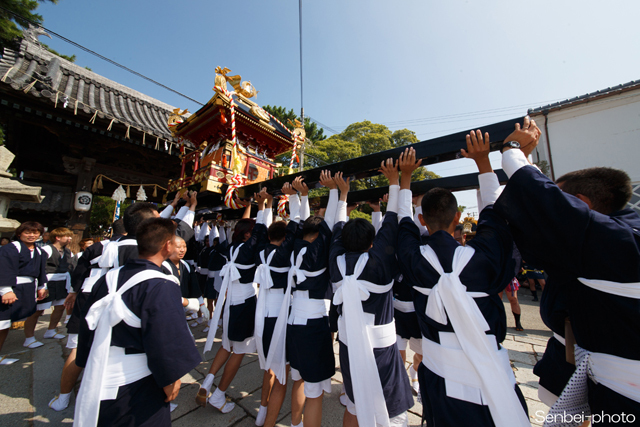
79,46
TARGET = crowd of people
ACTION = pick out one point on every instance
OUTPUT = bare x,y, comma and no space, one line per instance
287,290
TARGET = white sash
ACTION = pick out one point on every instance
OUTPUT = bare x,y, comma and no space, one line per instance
403,306
110,252
628,290
102,317
616,373
21,280
367,386
304,308
449,297
265,281
276,359
231,276
59,277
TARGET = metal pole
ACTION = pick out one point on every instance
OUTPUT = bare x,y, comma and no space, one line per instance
301,154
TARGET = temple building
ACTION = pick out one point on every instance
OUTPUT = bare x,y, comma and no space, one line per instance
75,132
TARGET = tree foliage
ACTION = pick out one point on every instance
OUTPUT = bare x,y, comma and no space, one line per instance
71,58
24,11
313,131
102,213
360,139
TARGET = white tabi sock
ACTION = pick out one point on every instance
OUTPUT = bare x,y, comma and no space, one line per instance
219,400
50,333
4,360
262,416
343,396
415,385
299,425
219,396
32,343
60,402
207,383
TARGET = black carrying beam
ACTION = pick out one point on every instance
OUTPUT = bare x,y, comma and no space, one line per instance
431,151
452,183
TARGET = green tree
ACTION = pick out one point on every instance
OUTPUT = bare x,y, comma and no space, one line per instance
102,213
361,139
71,58
313,133
23,14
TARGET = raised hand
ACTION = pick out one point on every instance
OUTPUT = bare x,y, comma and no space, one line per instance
390,171
407,164
375,205
417,199
342,184
300,186
269,199
260,197
288,189
478,148
477,145
526,135
385,198
327,181
176,199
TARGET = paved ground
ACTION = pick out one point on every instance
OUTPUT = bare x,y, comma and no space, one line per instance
27,386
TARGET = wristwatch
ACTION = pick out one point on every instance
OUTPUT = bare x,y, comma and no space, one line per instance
512,144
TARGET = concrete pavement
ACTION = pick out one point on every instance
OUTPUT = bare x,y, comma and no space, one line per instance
27,386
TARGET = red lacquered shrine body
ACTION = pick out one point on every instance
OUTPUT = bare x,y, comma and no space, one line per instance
258,139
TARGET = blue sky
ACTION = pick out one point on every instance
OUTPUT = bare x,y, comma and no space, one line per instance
434,67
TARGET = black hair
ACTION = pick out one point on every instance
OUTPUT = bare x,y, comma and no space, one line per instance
439,208
358,235
135,214
29,226
608,189
311,225
118,227
277,231
152,234
243,227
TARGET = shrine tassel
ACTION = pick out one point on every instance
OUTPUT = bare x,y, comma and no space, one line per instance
4,78
31,85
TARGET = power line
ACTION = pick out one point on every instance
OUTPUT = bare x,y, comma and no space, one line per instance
104,58
467,115
323,125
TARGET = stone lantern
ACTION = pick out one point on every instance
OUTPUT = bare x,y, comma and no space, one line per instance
12,189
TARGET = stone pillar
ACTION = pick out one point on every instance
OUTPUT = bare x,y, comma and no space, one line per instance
12,189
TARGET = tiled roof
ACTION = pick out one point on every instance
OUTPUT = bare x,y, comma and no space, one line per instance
610,91
60,80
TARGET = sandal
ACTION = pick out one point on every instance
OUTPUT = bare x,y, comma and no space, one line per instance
7,361
34,344
202,397
226,406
